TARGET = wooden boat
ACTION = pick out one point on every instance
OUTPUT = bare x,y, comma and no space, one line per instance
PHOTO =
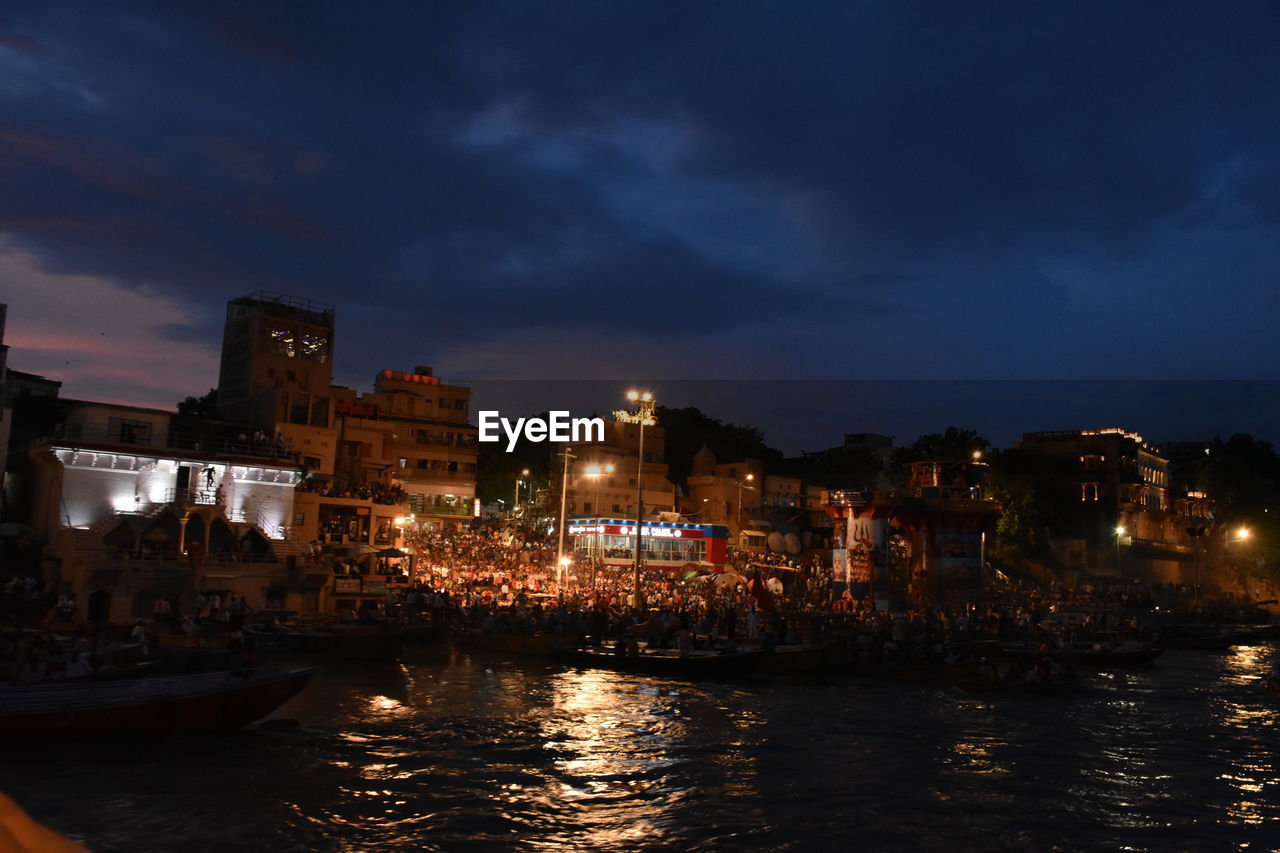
792,660
147,706
1201,642
697,664
425,632
537,645
355,642
1093,657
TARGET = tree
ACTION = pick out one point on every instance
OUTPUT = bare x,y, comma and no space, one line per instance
1241,476
687,430
206,406
497,470
1025,485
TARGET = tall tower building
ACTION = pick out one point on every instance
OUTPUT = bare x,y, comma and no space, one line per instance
276,361
277,372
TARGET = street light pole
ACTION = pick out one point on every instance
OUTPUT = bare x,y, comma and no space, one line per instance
643,415
1120,531
564,494
515,510
740,487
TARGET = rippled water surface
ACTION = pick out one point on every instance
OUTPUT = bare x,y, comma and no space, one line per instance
454,751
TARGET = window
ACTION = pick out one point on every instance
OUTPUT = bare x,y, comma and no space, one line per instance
459,405
444,402
422,464
130,432
1089,491
299,518
404,462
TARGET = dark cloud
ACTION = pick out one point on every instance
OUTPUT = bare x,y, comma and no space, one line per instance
992,190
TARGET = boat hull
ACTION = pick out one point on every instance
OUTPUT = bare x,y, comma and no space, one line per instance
536,645
147,706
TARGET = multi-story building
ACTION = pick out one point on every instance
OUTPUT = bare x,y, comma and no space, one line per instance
742,494
127,511
926,546
405,451
276,375
602,475
1126,517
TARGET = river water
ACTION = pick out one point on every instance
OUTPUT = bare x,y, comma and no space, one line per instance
457,751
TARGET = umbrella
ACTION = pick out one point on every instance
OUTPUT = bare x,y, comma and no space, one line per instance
358,550
392,552
775,586
729,579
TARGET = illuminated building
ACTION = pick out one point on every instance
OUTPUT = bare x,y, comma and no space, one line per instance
594,490
1112,478
131,509
276,374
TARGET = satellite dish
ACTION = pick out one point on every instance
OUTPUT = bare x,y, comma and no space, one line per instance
776,542
793,544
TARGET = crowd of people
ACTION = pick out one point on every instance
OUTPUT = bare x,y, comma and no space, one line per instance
378,492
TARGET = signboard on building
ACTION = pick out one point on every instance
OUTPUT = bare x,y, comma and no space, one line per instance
866,541
840,565
958,558
346,586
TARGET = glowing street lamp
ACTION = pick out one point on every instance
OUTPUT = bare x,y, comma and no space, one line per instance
561,560
643,415
595,472
1120,532
741,486
515,510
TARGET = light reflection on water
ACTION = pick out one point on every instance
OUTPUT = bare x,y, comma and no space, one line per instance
449,751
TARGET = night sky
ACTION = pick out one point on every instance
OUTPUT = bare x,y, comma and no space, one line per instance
718,190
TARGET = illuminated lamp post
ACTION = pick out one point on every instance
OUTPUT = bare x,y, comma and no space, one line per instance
749,478
1242,535
561,559
643,415
515,510
1120,532
595,472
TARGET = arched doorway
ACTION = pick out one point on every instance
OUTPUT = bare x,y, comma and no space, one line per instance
100,606
161,536
195,529
222,539
254,546
121,540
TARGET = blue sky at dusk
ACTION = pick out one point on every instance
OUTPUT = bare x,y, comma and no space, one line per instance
592,190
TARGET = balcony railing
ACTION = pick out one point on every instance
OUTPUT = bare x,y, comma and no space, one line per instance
191,497
157,440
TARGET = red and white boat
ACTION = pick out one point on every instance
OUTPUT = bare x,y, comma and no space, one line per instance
147,706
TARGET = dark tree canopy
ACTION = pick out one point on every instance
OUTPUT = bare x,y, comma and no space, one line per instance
206,406
688,429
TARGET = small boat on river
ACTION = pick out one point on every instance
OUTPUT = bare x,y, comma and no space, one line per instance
146,706
1096,656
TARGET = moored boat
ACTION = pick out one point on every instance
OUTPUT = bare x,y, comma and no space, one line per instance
1093,657
355,642
792,660
147,706
538,645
